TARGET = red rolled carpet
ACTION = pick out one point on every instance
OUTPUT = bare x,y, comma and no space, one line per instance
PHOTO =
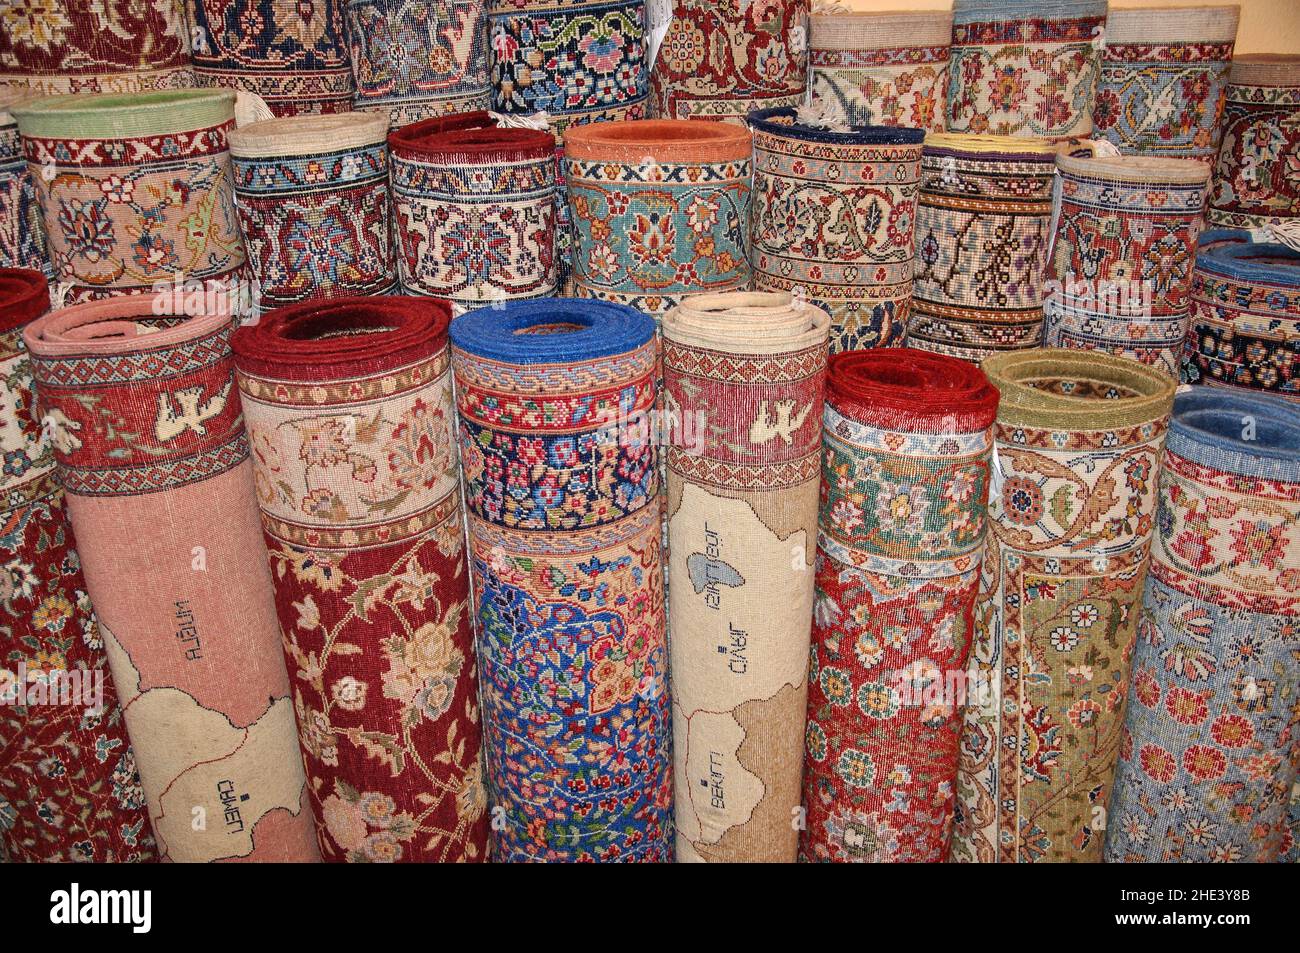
69,789
907,443
349,411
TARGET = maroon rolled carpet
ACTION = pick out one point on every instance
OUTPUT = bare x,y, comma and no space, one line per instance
348,405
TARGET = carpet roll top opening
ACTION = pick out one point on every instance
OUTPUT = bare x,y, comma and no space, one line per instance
1267,262
1142,169
471,134
551,330
1078,389
932,388
783,122
97,115
310,134
24,297
1254,426
343,337
676,140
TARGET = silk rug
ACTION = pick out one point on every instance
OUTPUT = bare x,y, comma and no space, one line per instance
1024,67
1255,181
721,60
136,190
743,379
475,209
22,235
1245,326
562,488
577,62
414,59
834,220
904,482
1119,275
313,199
292,54
1072,504
1208,757
886,69
53,47
352,426
151,450
982,225
660,209
69,790
1163,78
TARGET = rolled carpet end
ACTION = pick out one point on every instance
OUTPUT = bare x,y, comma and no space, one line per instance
660,209
1119,275
1072,508
1245,325
743,380
1254,184
983,222
136,189
561,483
475,208
834,218
882,67
313,199
904,480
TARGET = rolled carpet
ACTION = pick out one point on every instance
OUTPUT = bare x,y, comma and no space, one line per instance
1255,181
886,68
352,426
904,482
1245,325
69,789
743,380
660,209
983,221
313,200
1209,758
1164,74
136,190
1119,275
22,235
413,59
834,218
1076,455
294,55
149,439
722,60
54,47
1024,67
577,62
475,209
562,488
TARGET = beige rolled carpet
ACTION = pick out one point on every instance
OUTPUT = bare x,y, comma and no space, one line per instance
743,380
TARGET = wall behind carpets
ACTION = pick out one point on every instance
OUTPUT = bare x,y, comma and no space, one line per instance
1267,26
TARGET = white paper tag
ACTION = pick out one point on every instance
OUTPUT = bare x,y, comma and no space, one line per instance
659,15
